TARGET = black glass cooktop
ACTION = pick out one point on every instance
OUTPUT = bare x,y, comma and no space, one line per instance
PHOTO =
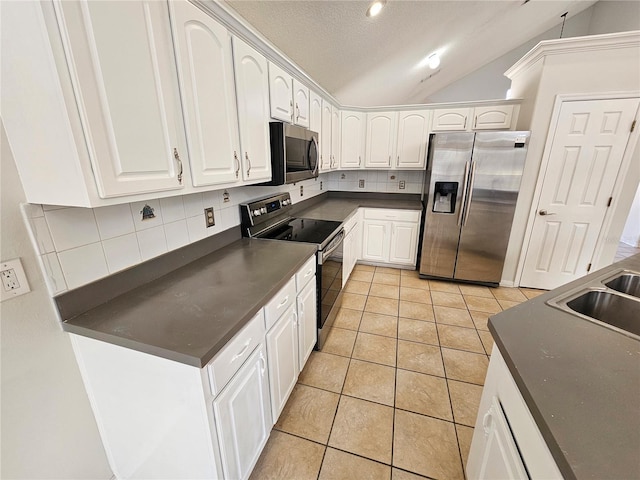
303,230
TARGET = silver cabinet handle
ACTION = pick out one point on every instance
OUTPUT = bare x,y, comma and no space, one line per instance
465,123
241,352
263,362
246,156
359,160
176,155
237,163
544,212
389,160
297,112
295,320
291,108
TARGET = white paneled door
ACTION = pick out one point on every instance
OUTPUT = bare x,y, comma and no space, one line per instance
584,162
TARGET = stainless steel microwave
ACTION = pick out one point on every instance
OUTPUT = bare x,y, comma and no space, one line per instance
294,154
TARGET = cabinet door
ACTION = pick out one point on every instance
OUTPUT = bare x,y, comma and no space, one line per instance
381,139
450,119
347,252
326,137
375,240
413,138
282,351
307,321
315,116
336,135
492,118
353,133
205,68
280,93
301,104
243,416
121,58
404,241
252,91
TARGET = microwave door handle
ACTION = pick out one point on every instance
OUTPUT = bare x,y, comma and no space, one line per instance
315,143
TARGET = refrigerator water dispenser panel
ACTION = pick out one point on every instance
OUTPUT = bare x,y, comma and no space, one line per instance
444,199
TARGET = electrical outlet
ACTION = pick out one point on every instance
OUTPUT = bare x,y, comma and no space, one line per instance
209,220
361,183
14,281
225,197
402,185
321,185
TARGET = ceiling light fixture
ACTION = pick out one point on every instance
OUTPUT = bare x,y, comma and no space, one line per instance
433,61
375,8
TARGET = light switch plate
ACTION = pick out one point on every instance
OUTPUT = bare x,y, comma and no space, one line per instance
14,281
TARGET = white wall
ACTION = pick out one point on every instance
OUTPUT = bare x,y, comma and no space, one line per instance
48,429
614,16
631,232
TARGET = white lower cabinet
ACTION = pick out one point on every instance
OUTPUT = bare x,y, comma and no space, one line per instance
243,417
307,321
351,246
282,348
506,441
390,236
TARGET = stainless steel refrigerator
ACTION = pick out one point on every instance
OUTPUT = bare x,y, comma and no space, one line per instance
470,194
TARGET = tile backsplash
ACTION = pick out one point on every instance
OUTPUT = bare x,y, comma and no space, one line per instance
389,181
80,245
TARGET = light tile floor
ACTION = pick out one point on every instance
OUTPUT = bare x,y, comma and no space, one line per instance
394,393
625,251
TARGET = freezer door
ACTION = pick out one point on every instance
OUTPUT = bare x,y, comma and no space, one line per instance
497,164
448,163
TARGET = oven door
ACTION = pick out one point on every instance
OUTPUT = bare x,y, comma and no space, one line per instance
329,280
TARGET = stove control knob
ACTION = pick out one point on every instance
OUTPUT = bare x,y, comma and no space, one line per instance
263,210
256,212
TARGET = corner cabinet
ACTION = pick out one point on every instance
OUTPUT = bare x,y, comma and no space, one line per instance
252,94
390,236
205,68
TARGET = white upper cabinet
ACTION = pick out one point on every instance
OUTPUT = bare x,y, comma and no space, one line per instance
315,116
492,118
326,137
451,119
413,137
280,93
252,91
336,135
300,104
205,68
381,139
126,93
353,139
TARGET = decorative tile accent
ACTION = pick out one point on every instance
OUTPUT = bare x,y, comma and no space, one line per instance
142,209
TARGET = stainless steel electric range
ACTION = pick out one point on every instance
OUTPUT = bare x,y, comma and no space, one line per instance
271,218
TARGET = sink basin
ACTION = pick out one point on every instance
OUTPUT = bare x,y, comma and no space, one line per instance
628,283
615,310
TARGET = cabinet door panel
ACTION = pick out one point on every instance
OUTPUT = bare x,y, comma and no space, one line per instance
375,240
243,417
352,145
404,241
127,93
381,139
282,351
301,104
492,118
280,93
336,135
315,117
413,137
450,119
307,322
205,65
252,90
326,137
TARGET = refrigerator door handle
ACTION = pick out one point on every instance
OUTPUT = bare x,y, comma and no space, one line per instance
470,194
463,200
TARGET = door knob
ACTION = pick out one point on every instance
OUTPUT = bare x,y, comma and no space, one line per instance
544,212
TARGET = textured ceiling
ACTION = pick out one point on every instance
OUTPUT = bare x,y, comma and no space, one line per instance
374,61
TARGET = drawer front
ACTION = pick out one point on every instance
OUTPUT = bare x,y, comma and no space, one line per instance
392,215
306,273
229,360
280,302
353,220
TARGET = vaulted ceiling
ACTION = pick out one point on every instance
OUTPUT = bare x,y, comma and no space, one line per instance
377,61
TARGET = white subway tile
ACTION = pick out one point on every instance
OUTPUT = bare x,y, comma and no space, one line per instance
230,217
177,234
152,242
136,211
114,221
121,252
72,227
193,205
197,228
54,277
172,209
212,199
42,235
83,265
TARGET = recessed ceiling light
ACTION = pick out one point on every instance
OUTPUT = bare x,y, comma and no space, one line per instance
375,8
433,61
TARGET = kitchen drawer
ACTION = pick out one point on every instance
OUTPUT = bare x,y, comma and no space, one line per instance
229,360
393,215
280,302
306,273
353,220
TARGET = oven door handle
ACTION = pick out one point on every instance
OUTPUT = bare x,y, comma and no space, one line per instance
333,245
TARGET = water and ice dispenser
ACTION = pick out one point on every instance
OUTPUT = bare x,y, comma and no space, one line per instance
444,197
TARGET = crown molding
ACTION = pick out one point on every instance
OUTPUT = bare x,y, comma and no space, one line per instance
562,46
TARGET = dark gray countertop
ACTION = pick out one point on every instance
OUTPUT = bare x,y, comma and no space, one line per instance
339,209
581,382
191,313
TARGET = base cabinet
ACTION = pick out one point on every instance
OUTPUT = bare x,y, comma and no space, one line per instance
243,417
307,321
390,236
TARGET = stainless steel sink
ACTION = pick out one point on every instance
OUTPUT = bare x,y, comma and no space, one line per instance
627,282
612,301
